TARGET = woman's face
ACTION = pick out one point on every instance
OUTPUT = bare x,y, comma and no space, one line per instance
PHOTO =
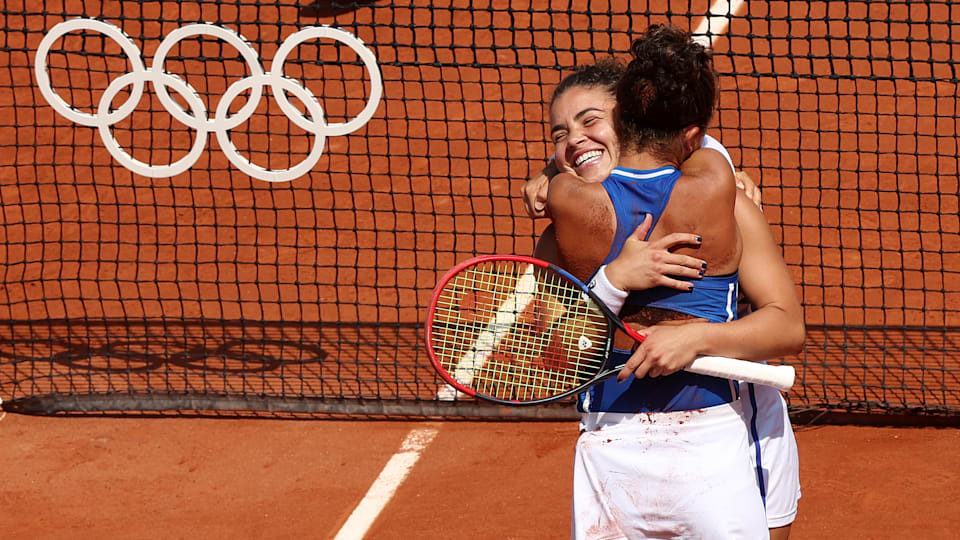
581,126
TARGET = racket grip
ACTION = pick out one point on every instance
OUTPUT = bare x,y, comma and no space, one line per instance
780,377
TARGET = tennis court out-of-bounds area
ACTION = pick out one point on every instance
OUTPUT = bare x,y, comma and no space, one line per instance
244,478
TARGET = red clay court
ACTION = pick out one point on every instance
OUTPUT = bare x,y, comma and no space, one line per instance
211,297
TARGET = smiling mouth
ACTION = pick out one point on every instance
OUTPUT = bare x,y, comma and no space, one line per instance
587,157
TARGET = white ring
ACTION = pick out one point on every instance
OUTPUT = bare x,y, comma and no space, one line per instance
130,162
239,43
43,78
370,61
247,166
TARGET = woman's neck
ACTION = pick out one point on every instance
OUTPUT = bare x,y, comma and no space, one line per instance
643,161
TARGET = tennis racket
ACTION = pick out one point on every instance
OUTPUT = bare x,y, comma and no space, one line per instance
520,331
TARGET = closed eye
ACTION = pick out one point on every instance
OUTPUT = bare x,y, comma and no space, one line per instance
590,120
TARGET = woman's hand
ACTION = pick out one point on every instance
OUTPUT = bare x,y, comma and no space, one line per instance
644,265
749,188
535,191
666,349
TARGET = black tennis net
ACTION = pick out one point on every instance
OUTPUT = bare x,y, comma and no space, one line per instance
230,206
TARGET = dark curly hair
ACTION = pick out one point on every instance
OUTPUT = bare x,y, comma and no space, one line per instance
668,86
604,73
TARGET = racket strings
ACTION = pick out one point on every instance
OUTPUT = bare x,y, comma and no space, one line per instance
510,331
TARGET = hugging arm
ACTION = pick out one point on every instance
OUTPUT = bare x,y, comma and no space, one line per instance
775,328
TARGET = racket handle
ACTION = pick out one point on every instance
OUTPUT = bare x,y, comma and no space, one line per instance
780,377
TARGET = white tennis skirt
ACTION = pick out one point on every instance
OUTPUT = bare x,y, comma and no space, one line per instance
685,474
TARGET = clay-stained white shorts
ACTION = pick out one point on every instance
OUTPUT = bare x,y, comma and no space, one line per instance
684,474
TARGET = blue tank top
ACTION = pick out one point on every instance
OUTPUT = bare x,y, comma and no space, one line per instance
634,194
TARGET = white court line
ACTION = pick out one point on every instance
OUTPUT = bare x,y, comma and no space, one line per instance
392,475
716,21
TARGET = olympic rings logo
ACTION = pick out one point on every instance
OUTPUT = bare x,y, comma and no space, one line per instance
197,119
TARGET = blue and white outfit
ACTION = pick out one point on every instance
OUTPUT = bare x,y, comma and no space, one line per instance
765,411
665,456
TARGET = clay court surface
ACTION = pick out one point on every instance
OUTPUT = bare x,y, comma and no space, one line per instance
189,477
276,478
